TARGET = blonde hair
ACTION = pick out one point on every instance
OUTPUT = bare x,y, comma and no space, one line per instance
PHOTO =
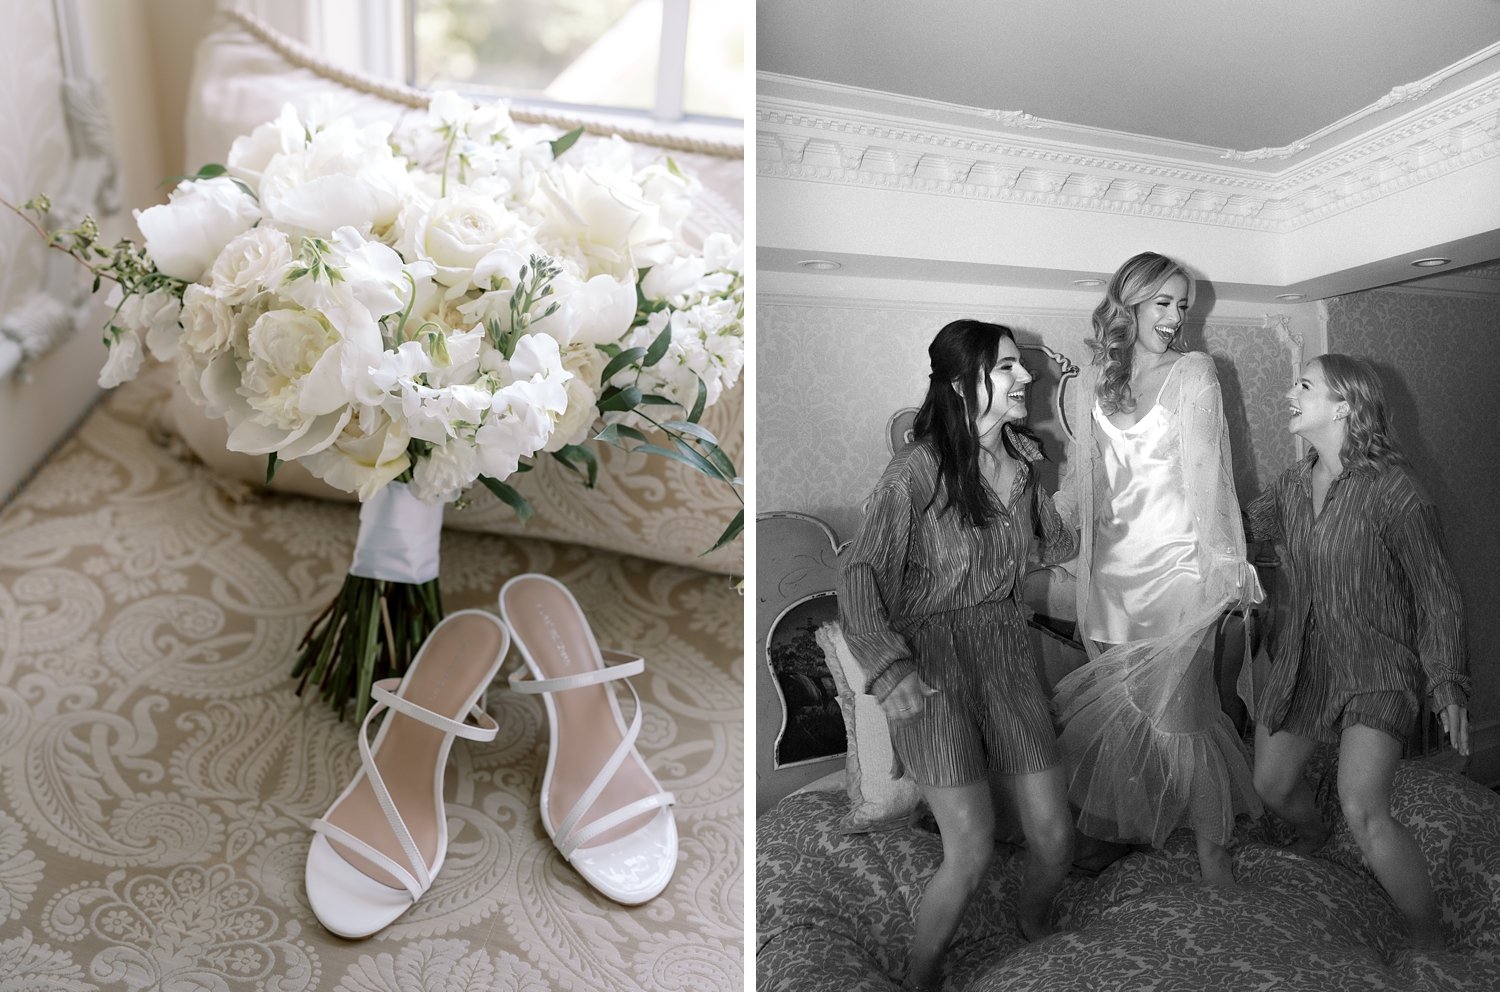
1367,430
1113,343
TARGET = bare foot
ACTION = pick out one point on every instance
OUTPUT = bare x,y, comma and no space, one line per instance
1035,930
1216,868
1309,843
1429,939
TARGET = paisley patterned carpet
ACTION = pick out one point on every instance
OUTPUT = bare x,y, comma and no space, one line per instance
157,774
836,911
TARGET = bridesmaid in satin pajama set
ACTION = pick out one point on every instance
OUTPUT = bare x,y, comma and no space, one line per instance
1375,626
929,601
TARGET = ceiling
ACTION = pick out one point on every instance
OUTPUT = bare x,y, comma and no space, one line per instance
1244,76
1301,148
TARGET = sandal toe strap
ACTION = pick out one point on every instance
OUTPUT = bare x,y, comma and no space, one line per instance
484,729
367,851
581,836
617,665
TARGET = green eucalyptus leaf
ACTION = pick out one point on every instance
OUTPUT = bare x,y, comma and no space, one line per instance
560,145
652,399
696,430
730,533
659,346
580,459
210,171
272,460
700,402
619,399
623,360
510,497
615,433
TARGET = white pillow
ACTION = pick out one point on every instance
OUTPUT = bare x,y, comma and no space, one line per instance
876,800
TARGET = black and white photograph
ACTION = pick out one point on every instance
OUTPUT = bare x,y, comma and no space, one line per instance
1135,360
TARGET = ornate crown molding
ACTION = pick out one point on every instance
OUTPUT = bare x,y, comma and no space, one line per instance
1019,158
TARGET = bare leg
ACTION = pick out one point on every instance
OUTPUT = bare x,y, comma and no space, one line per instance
1279,760
966,818
1042,800
1214,862
1367,767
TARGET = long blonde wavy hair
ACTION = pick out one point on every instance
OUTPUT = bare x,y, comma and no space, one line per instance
1113,343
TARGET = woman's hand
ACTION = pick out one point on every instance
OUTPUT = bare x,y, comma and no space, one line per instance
1455,719
907,700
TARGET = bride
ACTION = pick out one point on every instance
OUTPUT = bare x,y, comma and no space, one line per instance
1161,556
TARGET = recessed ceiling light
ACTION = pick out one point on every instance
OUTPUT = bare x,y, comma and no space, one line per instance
820,264
1431,263
1088,282
1291,297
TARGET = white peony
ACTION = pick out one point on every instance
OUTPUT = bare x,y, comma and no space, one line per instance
600,219
185,235
345,176
362,462
595,311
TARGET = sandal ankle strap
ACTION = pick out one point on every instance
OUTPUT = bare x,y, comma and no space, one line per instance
617,665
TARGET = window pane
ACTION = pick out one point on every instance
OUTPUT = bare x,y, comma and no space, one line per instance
714,83
599,52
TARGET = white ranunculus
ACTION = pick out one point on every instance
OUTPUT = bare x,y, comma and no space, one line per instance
593,312
601,219
346,176
252,263
124,359
185,235
208,322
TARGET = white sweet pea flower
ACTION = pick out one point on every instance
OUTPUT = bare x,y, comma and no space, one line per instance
344,176
252,263
574,425
155,315
600,219
351,280
124,359
185,235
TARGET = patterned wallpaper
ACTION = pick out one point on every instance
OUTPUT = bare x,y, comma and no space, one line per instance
829,376
1438,355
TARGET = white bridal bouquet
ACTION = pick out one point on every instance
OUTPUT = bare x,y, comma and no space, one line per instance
408,311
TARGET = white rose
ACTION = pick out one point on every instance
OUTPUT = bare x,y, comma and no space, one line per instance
455,232
253,262
362,462
186,234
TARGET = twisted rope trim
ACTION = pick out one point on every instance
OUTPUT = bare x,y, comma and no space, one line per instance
303,57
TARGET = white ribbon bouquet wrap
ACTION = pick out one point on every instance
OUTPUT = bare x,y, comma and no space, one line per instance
409,311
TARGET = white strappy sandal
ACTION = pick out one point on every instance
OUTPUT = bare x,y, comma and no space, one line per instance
617,827
379,846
